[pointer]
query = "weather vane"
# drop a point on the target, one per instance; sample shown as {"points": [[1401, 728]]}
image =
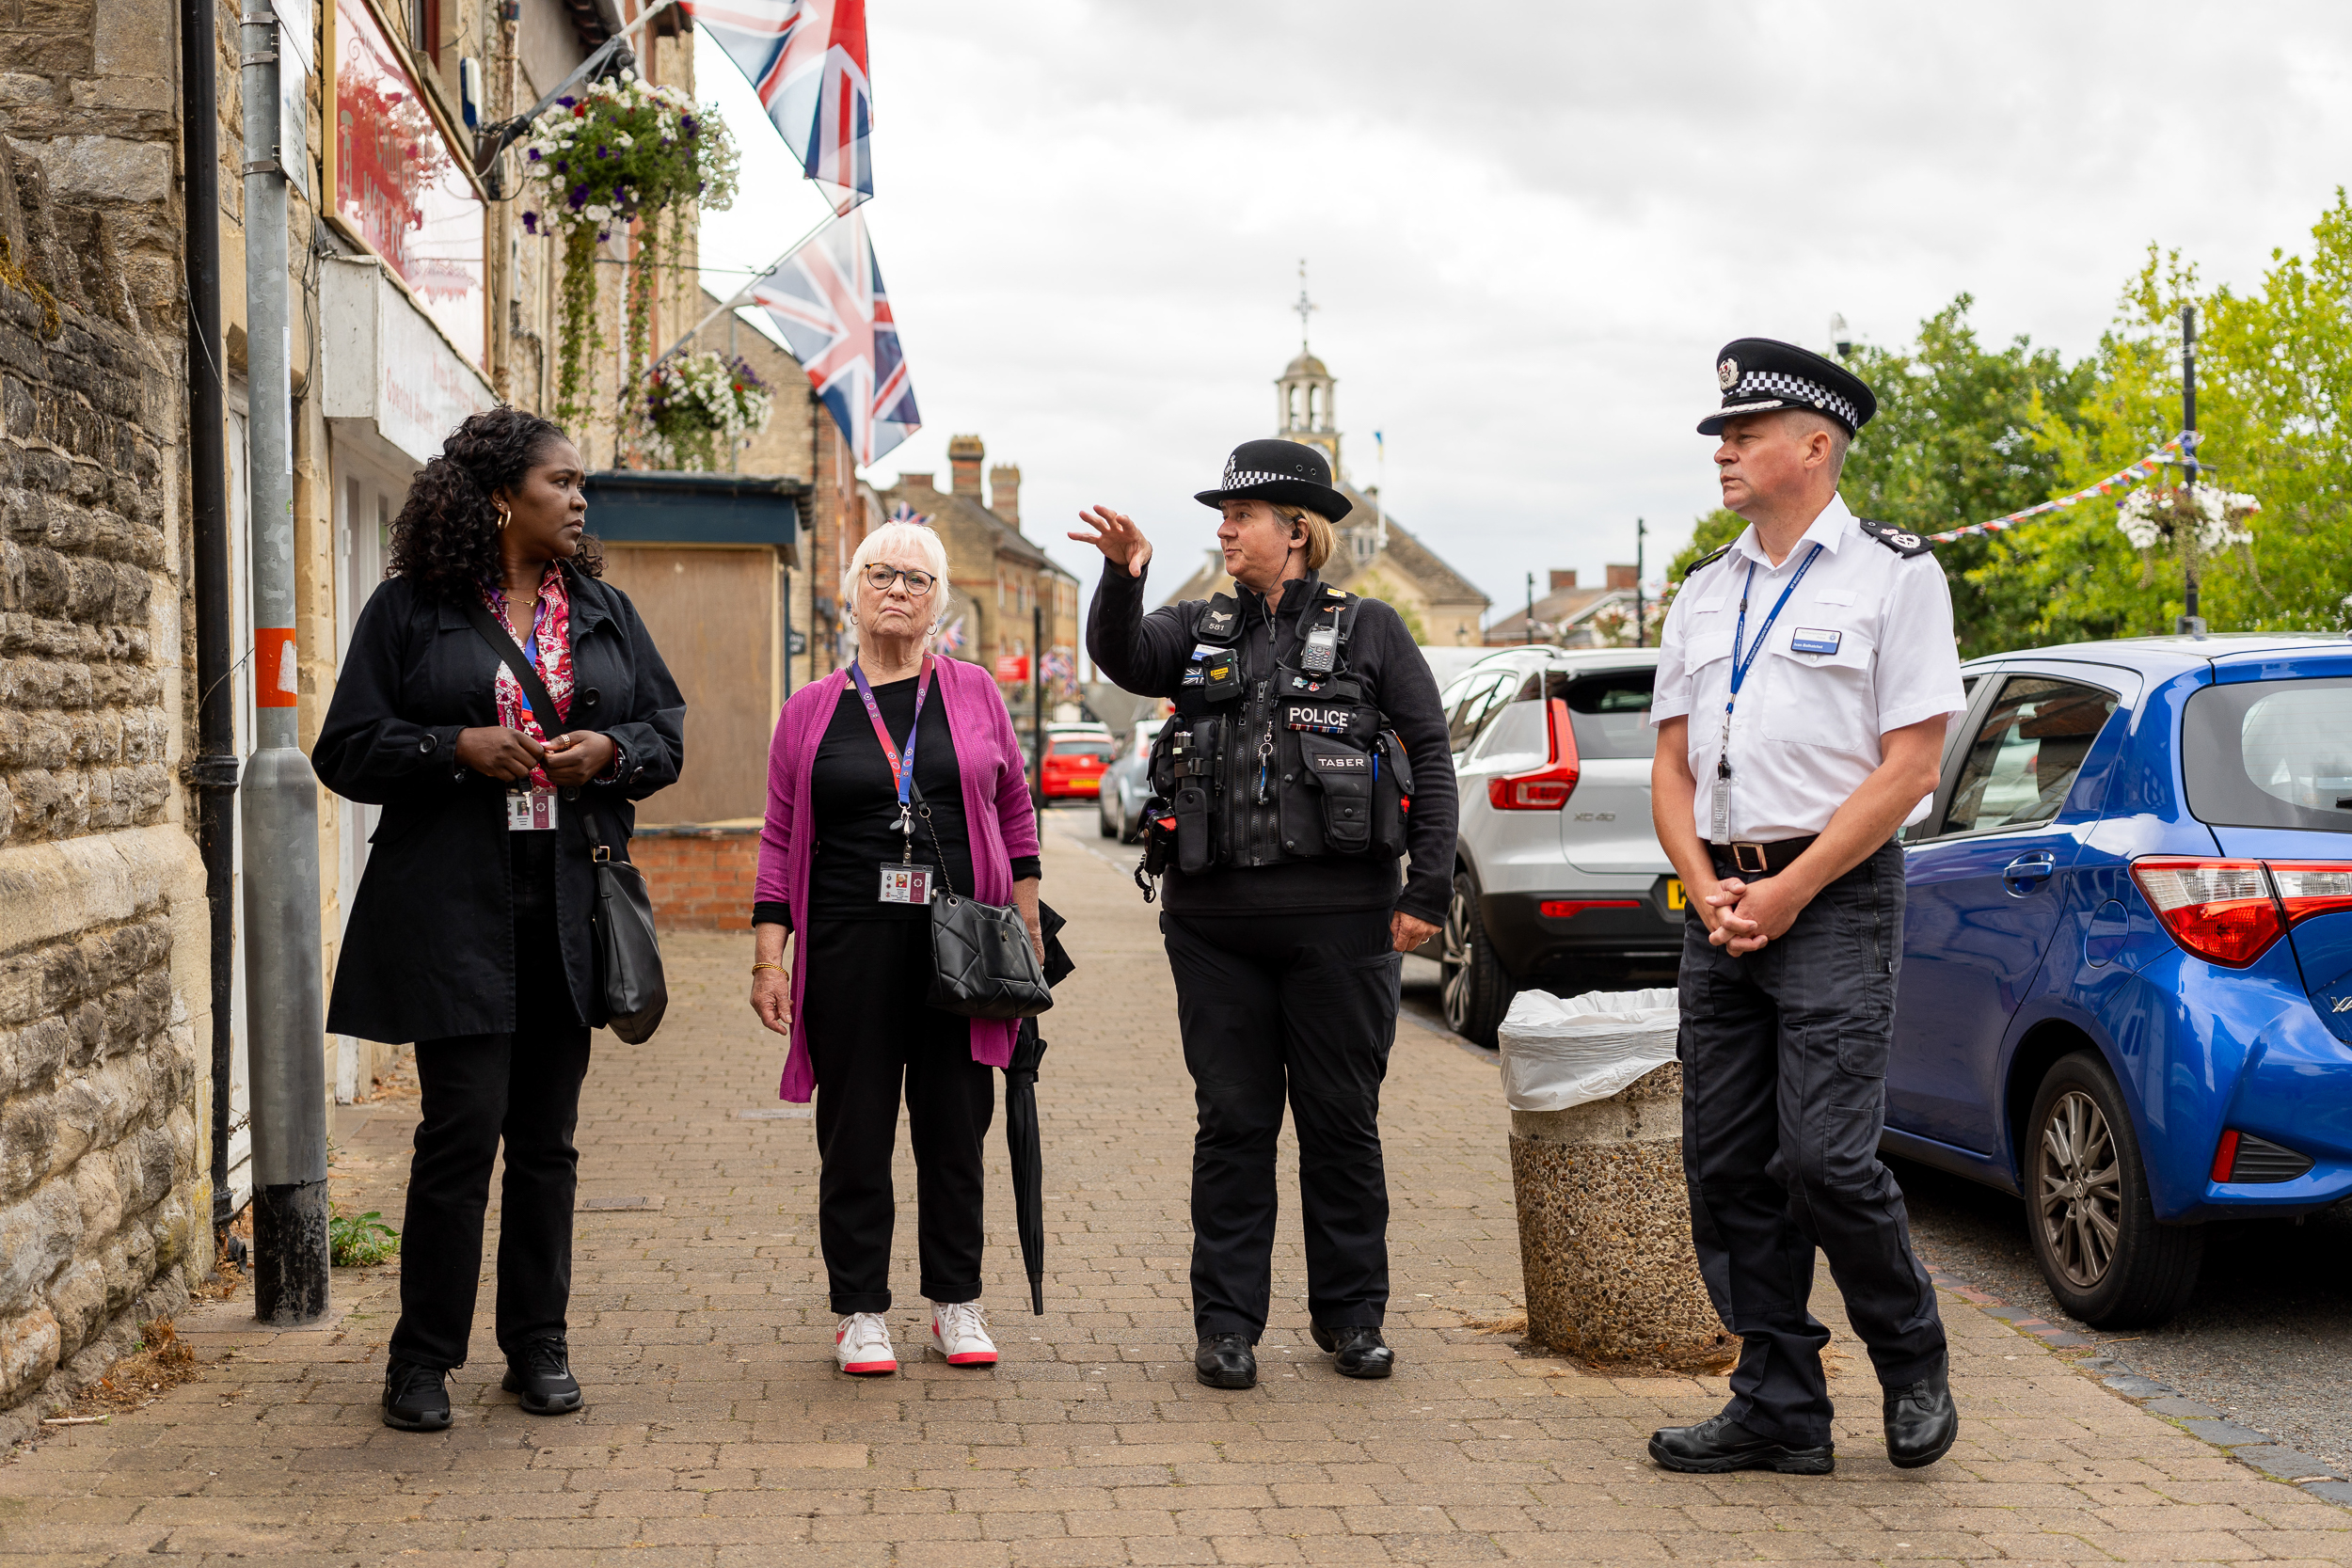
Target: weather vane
{"points": [[1304, 305]]}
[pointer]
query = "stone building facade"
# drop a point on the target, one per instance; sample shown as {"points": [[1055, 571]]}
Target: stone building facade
{"points": [[104, 974], [1001, 577]]}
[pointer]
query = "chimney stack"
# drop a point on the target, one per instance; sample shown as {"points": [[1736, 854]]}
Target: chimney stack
{"points": [[1004, 492], [1561, 579], [964, 453], [1620, 575], [918, 482]]}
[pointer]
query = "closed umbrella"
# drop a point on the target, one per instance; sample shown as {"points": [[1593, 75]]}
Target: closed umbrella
{"points": [[1020, 1130]]}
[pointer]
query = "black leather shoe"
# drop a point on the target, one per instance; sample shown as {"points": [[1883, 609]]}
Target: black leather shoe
{"points": [[415, 1397], [541, 1378], [1226, 1361], [1921, 1424], [1357, 1351], [1712, 1448]]}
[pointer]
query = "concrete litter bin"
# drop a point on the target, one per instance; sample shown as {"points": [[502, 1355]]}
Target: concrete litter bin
{"points": [[1604, 1215]]}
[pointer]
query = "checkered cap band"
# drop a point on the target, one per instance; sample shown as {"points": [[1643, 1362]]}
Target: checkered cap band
{"points": [[1238, 479], [1758, 385]]}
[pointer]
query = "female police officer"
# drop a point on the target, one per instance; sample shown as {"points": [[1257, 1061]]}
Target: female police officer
{"points": [[1308, 753]]}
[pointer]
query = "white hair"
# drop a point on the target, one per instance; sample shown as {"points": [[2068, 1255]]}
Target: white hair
{"points": [[890, 538]]}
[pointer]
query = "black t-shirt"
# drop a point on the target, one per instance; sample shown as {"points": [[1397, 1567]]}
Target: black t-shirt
{"points": [[856, 806]]}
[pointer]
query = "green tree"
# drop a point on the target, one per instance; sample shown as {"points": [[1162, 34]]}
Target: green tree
{"points": [[1964, 433], [2274, 388], [1711, 533]]}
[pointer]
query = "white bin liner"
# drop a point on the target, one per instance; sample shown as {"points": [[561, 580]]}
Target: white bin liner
{"points": [[1557, 1054]]}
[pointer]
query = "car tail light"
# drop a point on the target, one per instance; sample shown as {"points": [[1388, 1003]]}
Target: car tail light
{"points": [[1546, 788], [2245, 1159], [2218, 909], [2307, 888], [1569, 908]]}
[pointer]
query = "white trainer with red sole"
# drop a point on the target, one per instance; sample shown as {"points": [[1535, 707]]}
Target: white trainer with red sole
{"points": [[960, 1333], [862, 1345]]}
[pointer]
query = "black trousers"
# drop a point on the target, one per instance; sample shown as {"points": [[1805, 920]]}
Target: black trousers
{"points": [[1783, 1095], [521, 1089], [872, 1038], [1296, 1006]]}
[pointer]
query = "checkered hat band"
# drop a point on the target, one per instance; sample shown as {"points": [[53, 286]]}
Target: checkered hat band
{"points": [[1758, 384], [1239, 478]]}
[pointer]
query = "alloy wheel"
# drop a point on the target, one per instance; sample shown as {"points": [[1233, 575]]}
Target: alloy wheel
{"points": [[2080, 1189], [1453, 959]]}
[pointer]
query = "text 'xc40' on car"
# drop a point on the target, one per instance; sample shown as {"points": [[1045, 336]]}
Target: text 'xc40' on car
{"points": [[1559, 881], [2126, 985]]}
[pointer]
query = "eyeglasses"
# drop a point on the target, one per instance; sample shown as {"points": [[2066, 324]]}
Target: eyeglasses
{"points": [[880, 577]]}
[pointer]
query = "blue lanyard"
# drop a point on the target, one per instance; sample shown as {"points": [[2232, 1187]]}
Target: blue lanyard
{"points": [[1740, 667], [901, 764]]}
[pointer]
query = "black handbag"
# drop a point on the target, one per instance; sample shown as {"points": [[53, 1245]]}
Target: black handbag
{"points": [[982, 963], [628, 956]]}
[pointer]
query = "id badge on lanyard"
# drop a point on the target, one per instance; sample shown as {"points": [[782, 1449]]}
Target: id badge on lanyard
{"points": [[532, 810], [1719, 814], [905, 882]]}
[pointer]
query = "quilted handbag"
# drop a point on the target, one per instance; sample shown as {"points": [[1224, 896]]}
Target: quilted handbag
{"points": [[982, 963]]}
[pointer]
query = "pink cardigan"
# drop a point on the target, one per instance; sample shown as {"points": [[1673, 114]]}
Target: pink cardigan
{"points": [[997, 813]]}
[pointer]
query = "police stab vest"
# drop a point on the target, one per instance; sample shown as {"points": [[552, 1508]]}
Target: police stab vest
{"points": [[1273, 756]]}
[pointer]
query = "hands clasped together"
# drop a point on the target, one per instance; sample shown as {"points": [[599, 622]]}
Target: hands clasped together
{"points": [[575, 757], [1741, 916]]}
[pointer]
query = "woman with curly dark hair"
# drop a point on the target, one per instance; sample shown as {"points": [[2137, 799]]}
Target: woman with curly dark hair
{"points": [[470, 934]]}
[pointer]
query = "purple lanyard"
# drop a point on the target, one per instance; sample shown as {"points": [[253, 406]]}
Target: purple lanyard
{"points": [[902, 765]]}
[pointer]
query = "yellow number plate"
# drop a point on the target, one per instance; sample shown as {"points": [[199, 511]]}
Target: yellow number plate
{"points": [[1676, 898]]}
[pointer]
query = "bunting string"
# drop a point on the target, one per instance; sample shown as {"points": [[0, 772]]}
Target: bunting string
{"points": [[2128, 476]]}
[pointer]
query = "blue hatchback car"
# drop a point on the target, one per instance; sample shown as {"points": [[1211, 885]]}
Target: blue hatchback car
{"points": [[2126, 990]]}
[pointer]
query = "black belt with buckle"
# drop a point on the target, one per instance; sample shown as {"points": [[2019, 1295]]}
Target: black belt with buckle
{"points": [[1750, 862]]}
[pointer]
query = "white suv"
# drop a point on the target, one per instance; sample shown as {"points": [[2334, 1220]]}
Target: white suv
{"points": [[1558, 881]]}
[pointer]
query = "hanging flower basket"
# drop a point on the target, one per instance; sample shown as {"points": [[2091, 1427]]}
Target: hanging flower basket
{"points": [[2193, 522], [621, 152], [699, 407]]}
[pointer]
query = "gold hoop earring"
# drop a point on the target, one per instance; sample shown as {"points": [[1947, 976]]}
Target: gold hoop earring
{"points": [[505, 515]]}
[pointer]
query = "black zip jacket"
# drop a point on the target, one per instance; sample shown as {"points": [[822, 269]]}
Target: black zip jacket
{"points": [[1146, 654], [429, 950]]}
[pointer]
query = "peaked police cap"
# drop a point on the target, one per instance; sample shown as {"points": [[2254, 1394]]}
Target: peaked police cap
{"points": [[1759, 374]]}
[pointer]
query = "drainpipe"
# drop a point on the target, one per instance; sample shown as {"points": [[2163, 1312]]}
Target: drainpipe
{"points": [[212, 771], [282, 987]]}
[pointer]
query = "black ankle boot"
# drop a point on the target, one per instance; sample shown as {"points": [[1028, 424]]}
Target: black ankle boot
{"points": [[540, 1377], [1722, 1444], [1357, 1351], [416, 1399], [1226, 1361], [1921, 1424]]}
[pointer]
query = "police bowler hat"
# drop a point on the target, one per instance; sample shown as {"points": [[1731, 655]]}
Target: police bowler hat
{"points": [[1288, 471]]}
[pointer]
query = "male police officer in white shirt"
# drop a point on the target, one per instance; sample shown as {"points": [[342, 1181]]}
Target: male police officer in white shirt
{"points": [[1805, 678]]}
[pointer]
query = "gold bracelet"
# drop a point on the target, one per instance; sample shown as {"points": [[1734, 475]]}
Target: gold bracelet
{"points": [[757, 967]]}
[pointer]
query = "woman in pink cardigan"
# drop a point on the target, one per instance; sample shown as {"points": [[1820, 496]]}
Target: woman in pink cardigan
{"points": [[884, 781]]}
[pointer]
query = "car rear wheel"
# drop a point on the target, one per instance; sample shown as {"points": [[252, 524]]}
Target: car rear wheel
{"points": [[1130, 827], [1477, 992], [2093, 1221], [1103, 817]]}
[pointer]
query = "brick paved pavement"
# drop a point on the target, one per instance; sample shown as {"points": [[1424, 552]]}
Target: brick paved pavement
{"points": [[717, 1432]]}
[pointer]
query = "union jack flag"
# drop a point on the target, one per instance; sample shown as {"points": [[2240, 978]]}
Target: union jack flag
{"points": [[807, 58], [827, 299]]}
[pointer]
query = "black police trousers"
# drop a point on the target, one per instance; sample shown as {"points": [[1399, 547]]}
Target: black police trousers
{"points": [[1783, 1095], [1296, 1006], [480, 1091]]}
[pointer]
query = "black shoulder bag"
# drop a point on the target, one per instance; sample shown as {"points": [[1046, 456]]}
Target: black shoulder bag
{"points": [[982, 963], [635, 993]]}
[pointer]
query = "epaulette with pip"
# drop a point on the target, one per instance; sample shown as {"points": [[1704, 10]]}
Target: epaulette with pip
{"points": [[1707, 559], [1901, 541]]}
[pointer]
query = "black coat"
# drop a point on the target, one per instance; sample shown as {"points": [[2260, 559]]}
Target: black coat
{"points": [[429, 949]]}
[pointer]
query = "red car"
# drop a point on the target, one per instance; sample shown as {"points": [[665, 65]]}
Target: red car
{"points": [[1073, 765]]}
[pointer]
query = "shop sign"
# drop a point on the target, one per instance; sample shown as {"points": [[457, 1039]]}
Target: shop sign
{"points": [[398, 183], [1012, 668]]}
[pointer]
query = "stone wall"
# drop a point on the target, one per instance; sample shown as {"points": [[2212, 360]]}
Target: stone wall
{"points": [[104, 994]]}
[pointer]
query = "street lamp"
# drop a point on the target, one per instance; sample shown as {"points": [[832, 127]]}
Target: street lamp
{"points": [[1840, 335]]}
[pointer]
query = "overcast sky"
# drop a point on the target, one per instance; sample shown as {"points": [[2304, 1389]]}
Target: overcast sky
{"points": [[1528, 225]]}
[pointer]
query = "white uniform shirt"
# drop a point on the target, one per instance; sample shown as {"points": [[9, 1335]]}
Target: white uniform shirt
{"points": [[1805, 732]]}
